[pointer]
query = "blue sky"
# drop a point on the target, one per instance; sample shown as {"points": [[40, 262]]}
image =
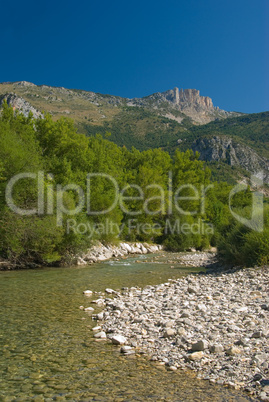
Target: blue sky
{"points": [[135, 48]]}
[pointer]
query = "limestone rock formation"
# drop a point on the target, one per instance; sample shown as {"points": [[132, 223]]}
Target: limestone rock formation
{"points": [[222, 148], [188, 102], [20, 104]]}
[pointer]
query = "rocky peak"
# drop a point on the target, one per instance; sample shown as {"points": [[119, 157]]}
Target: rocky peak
{"points": [[187, 102], [188, 97], [24, 84]]}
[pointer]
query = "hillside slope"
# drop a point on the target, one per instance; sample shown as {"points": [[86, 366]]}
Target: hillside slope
{"points": [[96, 108], [172, 119]]}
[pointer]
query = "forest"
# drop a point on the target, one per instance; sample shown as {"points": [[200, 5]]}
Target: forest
{"points": [[162, 198]]}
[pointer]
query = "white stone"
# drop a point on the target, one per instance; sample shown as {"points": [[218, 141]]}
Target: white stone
{"points": [[101, 335], [110, 291], [88, 309], [118, 340], [87, 292], [196, 356], [126, 349], [97, 328]]}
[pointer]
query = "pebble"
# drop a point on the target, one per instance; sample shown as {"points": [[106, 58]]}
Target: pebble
{"points": [[233, 351], [87, 292], [110, 291], [199, 346], [118, 340], [88, 309], [100, 335], [97, 328], [196, 356], [169, 332], [214, 323], [216, 348], [127, 350]]}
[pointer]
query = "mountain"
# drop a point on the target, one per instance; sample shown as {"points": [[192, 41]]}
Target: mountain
{"points": [[251, 129], [233, 144], [220, 150], [188, 102], [234, 148], [173, 104]]}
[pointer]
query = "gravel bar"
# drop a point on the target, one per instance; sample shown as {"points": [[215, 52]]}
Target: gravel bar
{"points": [[215, 324]]}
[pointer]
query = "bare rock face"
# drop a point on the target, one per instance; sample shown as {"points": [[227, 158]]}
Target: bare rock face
{"points": [[20, 104], [25, 84], [189, 98], [187, 102], [222, 148]]}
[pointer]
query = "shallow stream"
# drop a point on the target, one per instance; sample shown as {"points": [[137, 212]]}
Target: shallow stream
{"points": [[48, 351]]}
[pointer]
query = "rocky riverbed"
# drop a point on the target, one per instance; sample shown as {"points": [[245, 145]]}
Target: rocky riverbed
{"points": [[216, 324], [195, 258]]}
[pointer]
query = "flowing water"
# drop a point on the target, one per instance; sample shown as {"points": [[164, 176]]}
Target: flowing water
{"points": [[48, 351]]}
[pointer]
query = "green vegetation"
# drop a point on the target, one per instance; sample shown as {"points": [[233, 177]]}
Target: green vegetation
{"points": [[251, 130], [144, 129], [243, 246], [145, 126], [138, 127], [149, 178]]}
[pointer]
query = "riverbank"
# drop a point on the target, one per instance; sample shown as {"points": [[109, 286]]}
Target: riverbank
{"points": [[97, 253], [215, 324], [101, 252]]}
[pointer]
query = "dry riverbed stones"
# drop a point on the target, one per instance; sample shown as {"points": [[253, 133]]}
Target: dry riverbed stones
{"points": [[216, 324]]}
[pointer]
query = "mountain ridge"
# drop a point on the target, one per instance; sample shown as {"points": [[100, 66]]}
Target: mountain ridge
{"points": [[174, 104], [174, 119]]}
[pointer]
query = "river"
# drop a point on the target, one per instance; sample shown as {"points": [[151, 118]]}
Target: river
{"points": [[48, 349]]}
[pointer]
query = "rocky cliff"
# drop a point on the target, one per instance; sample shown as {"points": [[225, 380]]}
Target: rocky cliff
{"points": [[188, 102], [20, 104], [188, 97], [225, 149]]}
